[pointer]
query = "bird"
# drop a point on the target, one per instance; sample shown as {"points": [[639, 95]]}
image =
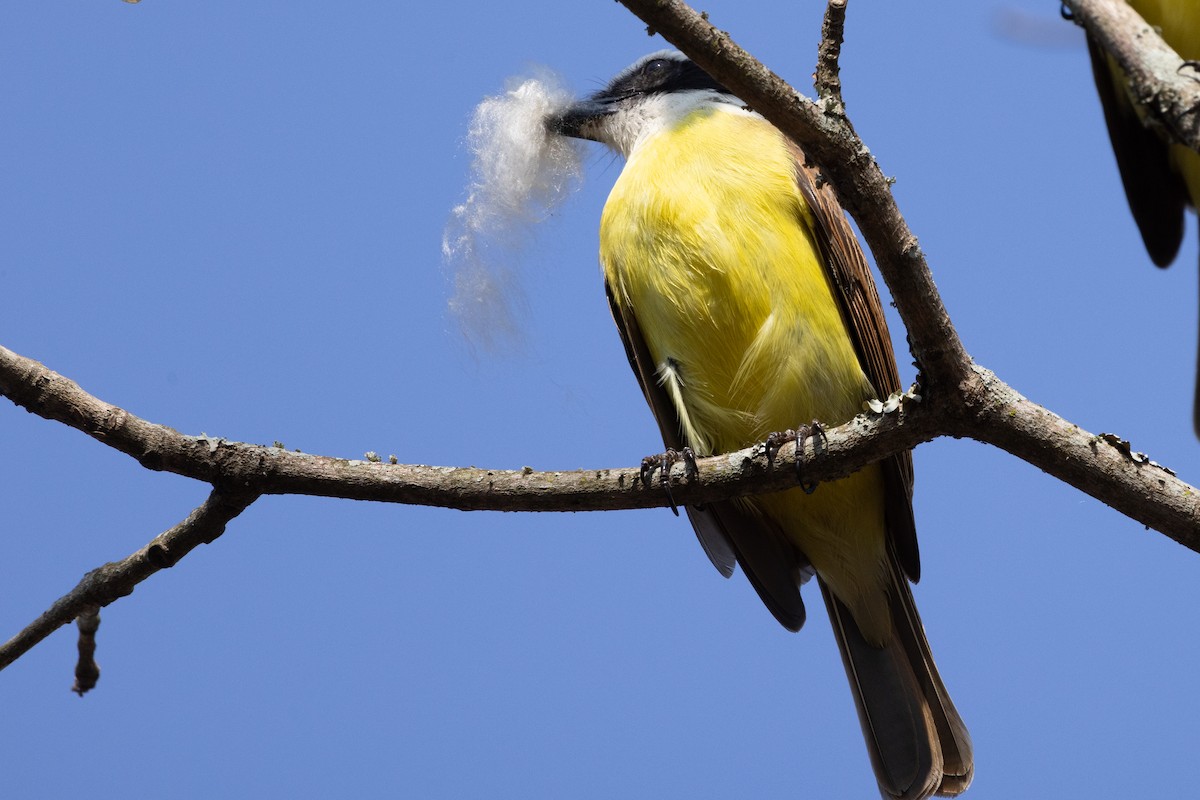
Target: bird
{"points": [[1161, 179], [746, 305]]}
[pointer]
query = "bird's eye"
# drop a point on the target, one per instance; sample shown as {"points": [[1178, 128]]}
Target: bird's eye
{"points": [[655, 66]]}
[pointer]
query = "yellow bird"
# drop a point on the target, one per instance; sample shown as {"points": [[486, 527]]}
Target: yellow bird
{"points": [[746, 306], [1160, 179]]}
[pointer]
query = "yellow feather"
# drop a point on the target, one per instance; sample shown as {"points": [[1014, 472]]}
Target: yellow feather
{"points": [[707, 240]]}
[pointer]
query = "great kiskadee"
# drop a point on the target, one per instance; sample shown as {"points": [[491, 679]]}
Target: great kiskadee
{"points": [[746, 306], [1160, 179]]}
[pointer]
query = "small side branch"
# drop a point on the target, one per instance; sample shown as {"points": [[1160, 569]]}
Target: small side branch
{"points": [[105, 584], [827, 80], [87, 671]]}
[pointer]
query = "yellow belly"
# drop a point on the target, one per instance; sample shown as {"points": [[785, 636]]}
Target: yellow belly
{"points": [[707, 238]]}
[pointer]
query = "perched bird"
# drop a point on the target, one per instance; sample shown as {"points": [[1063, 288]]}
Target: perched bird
{"points": [[1161, 179], [746, 306]]}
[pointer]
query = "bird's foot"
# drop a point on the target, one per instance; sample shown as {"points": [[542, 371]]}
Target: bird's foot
{"points": [[663, 462], [817, 431], [775, 441]]}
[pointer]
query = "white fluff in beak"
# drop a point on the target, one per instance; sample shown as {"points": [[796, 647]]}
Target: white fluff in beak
{"points": [[520, 172]]}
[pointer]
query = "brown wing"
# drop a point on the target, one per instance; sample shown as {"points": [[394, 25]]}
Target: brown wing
{"points": [[859, 300], [726, 532], [1156, 193], [917, 741]]}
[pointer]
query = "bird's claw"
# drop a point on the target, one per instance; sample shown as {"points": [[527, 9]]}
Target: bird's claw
{"points": [[817, 431], [775, 441], [663, 463]]}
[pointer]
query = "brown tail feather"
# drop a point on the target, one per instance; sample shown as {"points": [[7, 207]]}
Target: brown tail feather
{"points": [[958, 762], [917, 742]]}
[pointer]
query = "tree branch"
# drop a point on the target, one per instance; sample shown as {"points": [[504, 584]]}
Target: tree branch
{"points": [[826, 78], [1164, 84], [988, 410], [274, 470], [105, 584], [1103, 465]]}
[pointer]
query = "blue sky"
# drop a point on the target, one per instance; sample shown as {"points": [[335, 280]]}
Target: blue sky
{"points": [[227, 218]]}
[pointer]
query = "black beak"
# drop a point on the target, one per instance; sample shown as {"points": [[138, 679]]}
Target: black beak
{"points": [[577, 119]]}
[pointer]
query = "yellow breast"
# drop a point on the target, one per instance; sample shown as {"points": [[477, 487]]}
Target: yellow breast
{"points": [[706, 235], [708, 240]]}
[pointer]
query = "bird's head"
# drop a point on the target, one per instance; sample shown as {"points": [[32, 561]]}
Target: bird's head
{"points": [[652, 92]]}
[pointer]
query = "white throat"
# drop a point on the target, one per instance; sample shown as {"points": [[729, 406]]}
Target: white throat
{"points": [[629, 127]]}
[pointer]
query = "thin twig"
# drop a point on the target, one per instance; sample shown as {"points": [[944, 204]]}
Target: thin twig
{"points": [[984, 409], [827, 81], [87, 671], [105, 584]]}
